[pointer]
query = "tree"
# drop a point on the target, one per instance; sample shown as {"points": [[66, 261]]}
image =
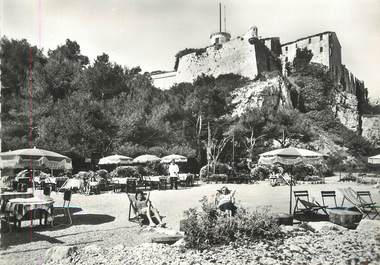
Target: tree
{"points": [[287, 126], [303, 57]]}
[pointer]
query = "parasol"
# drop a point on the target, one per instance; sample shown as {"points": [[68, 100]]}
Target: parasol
{"points": [[176, 158], [115, 160], [145, 159], [34, 157], [286, 156], [374, 159]]}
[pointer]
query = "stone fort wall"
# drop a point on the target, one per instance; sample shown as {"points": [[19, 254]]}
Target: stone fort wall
{"points": [[241, 56]]}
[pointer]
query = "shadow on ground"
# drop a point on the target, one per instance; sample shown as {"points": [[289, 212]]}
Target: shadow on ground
{"points": [[25, 234]]}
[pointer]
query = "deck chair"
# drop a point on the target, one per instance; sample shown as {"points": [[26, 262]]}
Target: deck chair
{"points": [[303, 208], [134, 216], [138, 218], [368, 209]]}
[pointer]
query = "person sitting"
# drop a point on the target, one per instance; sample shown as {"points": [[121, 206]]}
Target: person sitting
{"points": [[144, 207], [225, 201]]}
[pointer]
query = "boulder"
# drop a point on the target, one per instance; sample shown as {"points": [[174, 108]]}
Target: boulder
{"points": [[369, 226], [58, 253], [325, 226]]}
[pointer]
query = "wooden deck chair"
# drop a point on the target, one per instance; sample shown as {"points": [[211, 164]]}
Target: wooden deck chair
{"points": [[303, 206], [367, 209], [133, 211], [138, 218]]}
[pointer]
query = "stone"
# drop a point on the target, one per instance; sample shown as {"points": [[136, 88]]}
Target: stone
{"points": [[369, 226], [325, 226], [58, 253]]}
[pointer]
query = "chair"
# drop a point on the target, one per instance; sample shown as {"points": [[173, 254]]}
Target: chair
{"points": [[362, 194], [304, 208], [329, 194], [132, 209], [141, 219], [368, 209]]}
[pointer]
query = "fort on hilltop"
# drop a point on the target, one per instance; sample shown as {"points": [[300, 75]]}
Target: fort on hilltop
{"points": [[250, 55]]}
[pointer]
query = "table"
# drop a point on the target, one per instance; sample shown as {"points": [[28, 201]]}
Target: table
{"points": [[19, 207], [6, 196], [345, 217]]}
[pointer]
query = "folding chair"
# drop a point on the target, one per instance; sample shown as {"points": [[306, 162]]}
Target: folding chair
{"points": [[141, 219], [305, 208], [367, 209], [329, 194], [138, 218], [362, 194]]}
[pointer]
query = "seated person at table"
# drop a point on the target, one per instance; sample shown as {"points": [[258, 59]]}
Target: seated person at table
{"points": [[144, 207], [225, 201]]}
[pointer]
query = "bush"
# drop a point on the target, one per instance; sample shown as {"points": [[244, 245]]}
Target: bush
{"points": [[260, 172], [154, 169], [126, 172], [208, 227], [220, 168]]}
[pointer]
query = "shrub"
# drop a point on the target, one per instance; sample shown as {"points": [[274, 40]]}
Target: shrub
{"points": [[126, 172], [260, 172], [209, 227], [153, 169], [220, 168]]}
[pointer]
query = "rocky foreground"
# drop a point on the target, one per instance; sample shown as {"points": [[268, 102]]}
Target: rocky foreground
{"points": [[314, 243]]}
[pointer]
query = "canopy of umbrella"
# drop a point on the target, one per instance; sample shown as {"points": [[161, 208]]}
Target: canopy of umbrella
{"points": [[115, 160], [175, 158], [374, 160], [145, 159], [290, 156], [34, 157]]}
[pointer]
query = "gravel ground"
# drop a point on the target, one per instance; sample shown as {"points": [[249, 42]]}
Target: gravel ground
{"points": [[103, 219], [327, 244]]}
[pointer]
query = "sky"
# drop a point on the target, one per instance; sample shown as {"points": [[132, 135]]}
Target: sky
{"points": [[148, 33]]}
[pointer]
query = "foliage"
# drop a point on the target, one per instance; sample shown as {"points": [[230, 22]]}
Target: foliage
{"points": [[127, 172], [220, 168], [260, 172], [209, 227], [303, 57], [153, 169]]}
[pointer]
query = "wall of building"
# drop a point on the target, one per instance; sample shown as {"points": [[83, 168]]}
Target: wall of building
{"points": [[164, 81], [313, 43], [273, 44], [237, 56]]}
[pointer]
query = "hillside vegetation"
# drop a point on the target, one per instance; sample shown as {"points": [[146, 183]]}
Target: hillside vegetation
{"points": [[89, 110]]}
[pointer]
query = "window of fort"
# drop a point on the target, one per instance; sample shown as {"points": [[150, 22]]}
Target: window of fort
{"points": [[321, 37], [330, 51], [286, 59], [309, 40], [296, 46], [216, 40], [286, 48], [320, 49]]}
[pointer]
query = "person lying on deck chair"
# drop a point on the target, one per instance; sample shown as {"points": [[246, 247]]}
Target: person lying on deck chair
{"points": [[225, 201], [144, 207]]}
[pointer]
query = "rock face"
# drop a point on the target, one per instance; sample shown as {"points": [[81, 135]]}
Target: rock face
{"points": [[371, 128], [271, 94], [346, 110]]}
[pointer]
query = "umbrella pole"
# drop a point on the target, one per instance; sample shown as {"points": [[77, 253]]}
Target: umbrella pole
{"points": [[290, 195]]}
